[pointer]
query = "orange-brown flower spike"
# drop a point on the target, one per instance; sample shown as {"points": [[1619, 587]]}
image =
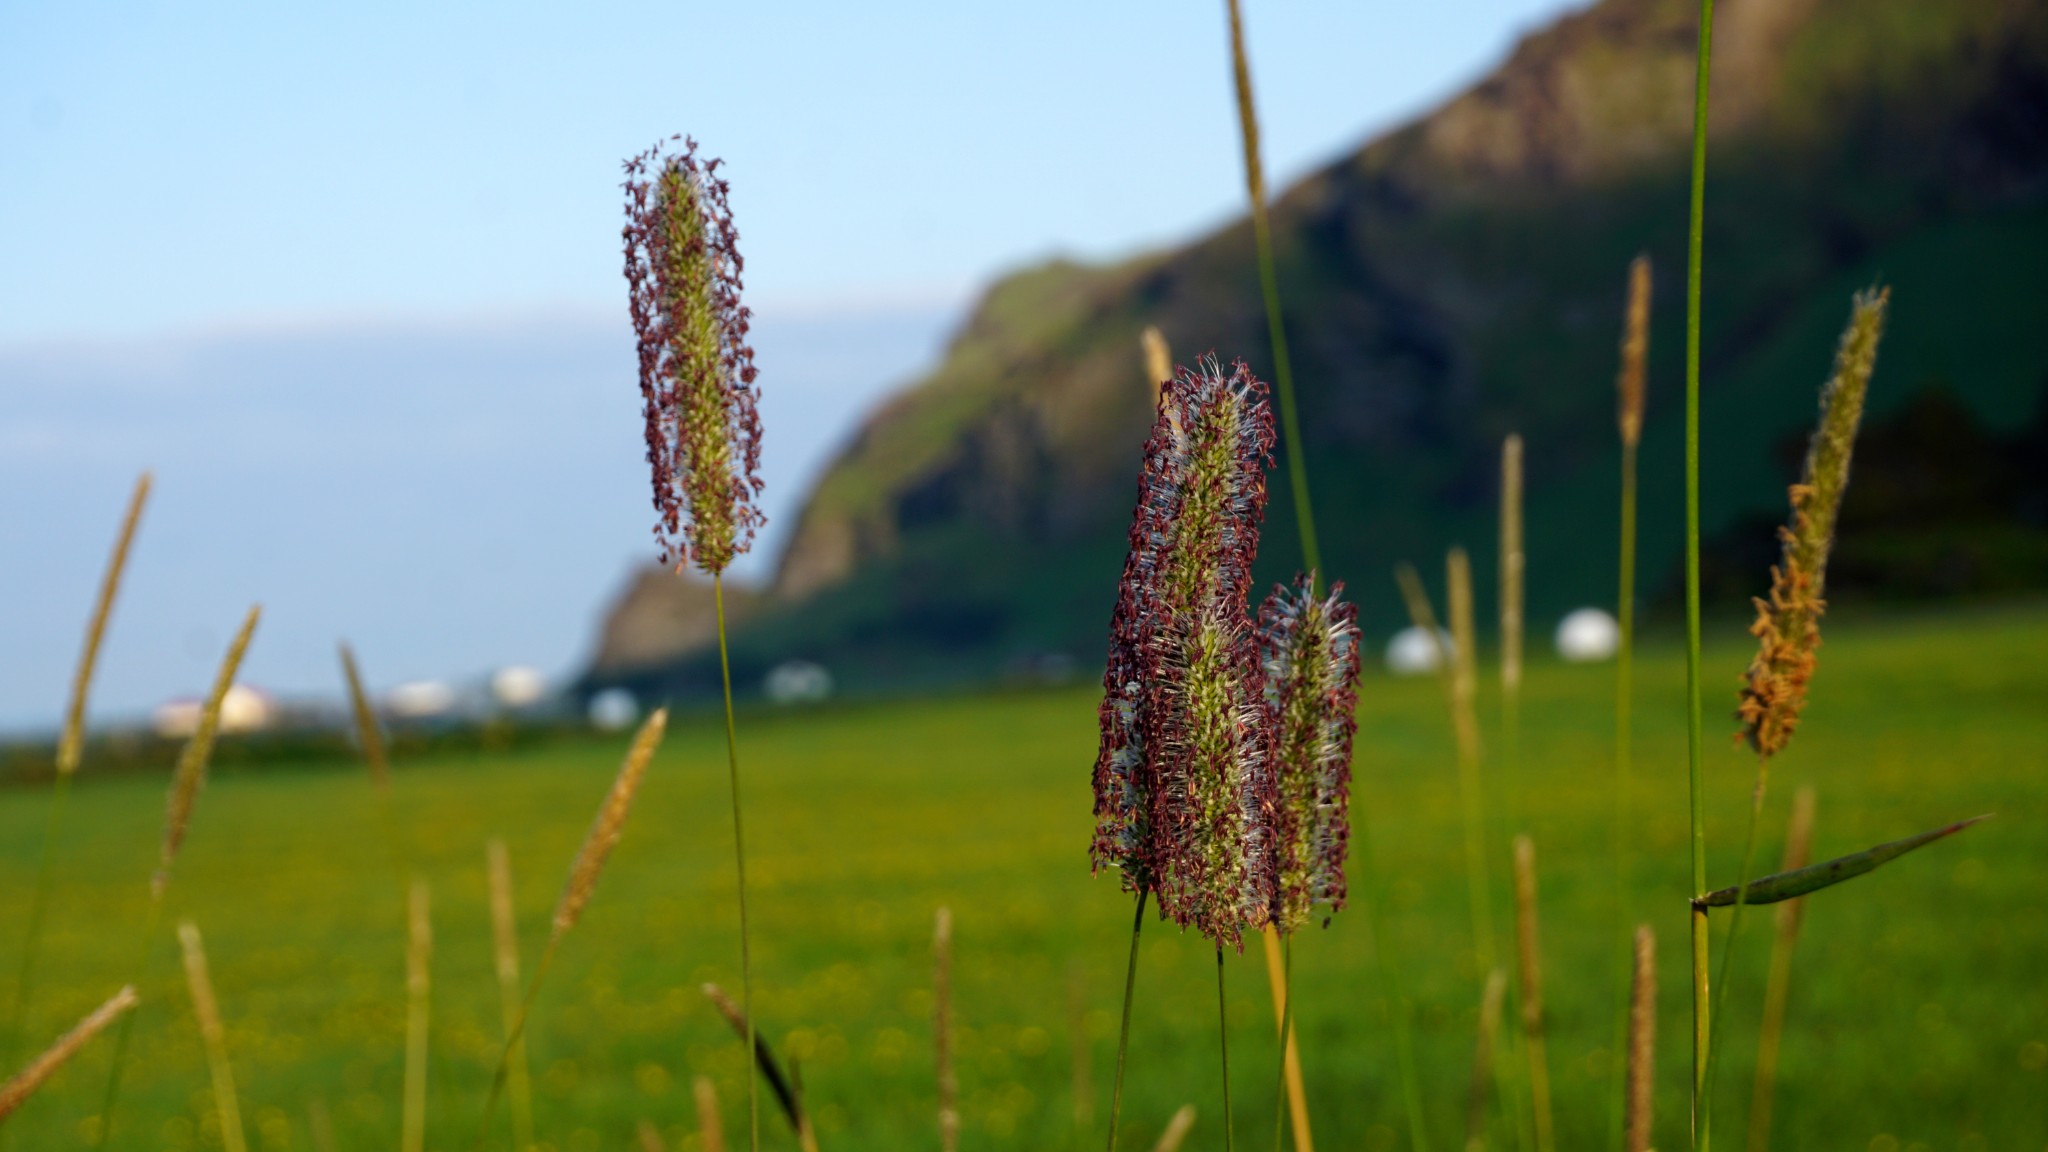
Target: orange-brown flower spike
{"points": [[696, 369], [1787, 625]]}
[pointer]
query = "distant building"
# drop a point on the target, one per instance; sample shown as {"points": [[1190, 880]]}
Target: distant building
{"points": [[243, 709]]}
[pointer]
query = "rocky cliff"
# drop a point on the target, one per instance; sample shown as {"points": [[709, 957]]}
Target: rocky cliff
{"points": [[1458, 279]]}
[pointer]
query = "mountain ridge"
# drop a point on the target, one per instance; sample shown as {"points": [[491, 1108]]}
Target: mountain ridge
{"points": [[1452, 280]]}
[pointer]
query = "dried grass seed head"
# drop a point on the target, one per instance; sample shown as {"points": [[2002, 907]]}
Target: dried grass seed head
{"points": [[1787, 624], [1635, 352], [190, 774], [1309, 650], [16, 1091], [697, 390], [611, 821]]}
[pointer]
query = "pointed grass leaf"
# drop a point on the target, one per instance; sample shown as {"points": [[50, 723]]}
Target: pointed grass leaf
{"points": [[1802, 881]]}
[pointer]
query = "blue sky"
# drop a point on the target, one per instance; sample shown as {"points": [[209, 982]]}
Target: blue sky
{"points": [[347, 276]]}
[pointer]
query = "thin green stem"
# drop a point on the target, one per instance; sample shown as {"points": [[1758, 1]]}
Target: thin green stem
{"points": [[1744, 878], [150, 924], [1223, 1042], [1694, 726], [1286, 1031], [512, 1037], [1389, 970], [24, 983], [1269, 287], [1123, 1039], [1624, 753], [739, 853]]}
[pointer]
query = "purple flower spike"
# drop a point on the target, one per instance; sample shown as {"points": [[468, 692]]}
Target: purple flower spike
{"points": [[696, 369], [1183, 779], [1310, 650]]}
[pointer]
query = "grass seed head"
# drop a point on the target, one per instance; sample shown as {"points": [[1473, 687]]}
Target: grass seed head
{"points": [[696, 368], [71, 743], [191, 771], [1642, 1040], [1309, 647], [1635, 352], [1201, 495], [1787, 624], [611, 821], [16, 1091]]}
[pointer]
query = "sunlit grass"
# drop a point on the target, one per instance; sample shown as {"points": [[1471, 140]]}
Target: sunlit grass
{"points": [[1914, 1005]]}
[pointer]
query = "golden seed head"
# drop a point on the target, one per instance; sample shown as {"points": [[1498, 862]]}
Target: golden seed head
{"points": [[1158, 360], [71, 744], [1787, 625], [191, 771], [15, 1092], [610, 822], [1642, 1040], [1635, 351], [1512, 562]]}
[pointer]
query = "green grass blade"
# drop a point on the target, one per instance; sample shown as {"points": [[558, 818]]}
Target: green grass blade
{"points": [[1802, 881]]}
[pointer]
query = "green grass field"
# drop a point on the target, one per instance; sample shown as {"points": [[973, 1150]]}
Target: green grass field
{"points": [[1918, 1017]]}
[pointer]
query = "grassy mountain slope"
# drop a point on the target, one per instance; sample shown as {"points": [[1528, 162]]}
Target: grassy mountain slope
{"points": [[1453, 281]]}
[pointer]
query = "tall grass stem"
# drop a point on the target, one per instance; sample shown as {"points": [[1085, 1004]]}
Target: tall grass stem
{"points": [[1640, 1066], [1290, 1097], [1488, 1034], [1269, 288], [1695, 750], [505, 948], [1529, 966], [942, 1031], [1513, 562], [1123, 1040], [739, 854], [1082, 1064], [1632, 388], [419, 958], [213, 1037], [1223, 1047], [70, 750], [1778, 988]]}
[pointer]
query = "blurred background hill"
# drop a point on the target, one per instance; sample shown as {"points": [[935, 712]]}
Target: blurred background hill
{"points": [[1460, 278]]}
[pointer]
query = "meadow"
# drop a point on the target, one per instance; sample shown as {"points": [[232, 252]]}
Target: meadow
{"points": [[1918, 1019]]}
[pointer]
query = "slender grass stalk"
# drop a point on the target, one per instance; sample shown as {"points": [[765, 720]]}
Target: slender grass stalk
{"points": [[1280, 974], [214, 1038], [419, 958], [505, 948], [1158, 360], [1529, 965], [70, 749], [1223, 1046], [1392, 979], [1512, 563], [1176, 1130], [787, 1087], [186, 780], [1458, 688], [320, 1125], [1778, 989], [739, 856], [370, 739], [942, 1031], [1084, 1076], [1695, 749], [1642, 1041], [1269, 287], [583, 874], [1123, 1039], [1631, 387], [23, 1084], [1482, 1059], [710, 1129]]}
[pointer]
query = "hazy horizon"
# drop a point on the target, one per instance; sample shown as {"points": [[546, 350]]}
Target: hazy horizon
{"points": [[369, 333]]}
